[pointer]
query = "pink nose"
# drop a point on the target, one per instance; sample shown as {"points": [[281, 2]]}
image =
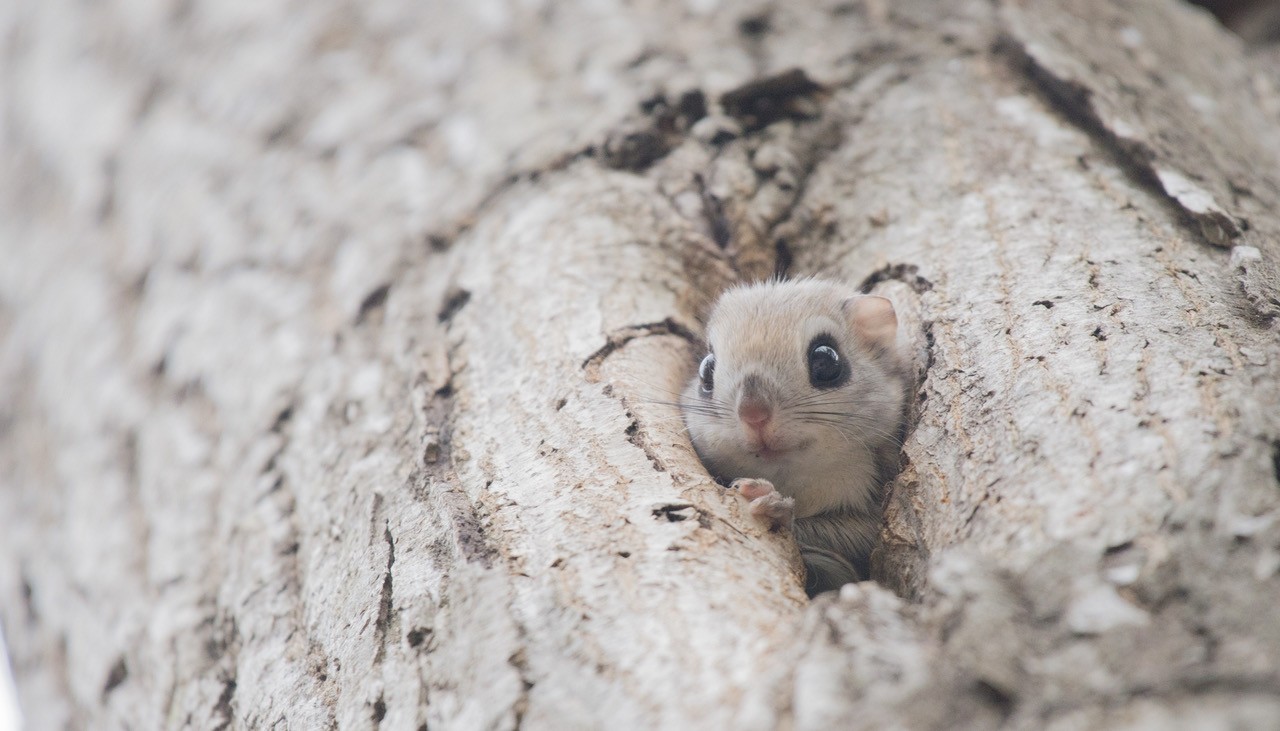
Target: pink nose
{"points": [[754, 414]]}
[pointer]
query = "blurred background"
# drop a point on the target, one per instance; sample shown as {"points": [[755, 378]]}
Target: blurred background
{"points": [[9, 718]]}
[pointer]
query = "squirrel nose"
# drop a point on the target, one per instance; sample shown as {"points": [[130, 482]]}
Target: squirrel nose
{"points": [[754, 413]]}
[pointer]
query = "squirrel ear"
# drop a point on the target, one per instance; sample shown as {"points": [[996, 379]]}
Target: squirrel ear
{"points": [[873, 320]]}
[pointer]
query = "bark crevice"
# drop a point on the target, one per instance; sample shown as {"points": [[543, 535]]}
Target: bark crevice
{"points": [[1073, 100], [617, 339], [385, 622]]}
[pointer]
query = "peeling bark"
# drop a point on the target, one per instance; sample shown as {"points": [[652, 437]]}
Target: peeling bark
{"points": [[341, 344]]}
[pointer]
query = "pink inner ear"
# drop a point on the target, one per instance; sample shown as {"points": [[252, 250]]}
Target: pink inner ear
{"points": [[873, 319]]}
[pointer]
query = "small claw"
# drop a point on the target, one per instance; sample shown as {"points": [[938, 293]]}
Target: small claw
{"points": [[767, 503], [751, 488], [774, 509]]}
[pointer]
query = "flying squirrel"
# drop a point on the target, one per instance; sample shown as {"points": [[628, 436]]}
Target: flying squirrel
{"points": [[801, 402]]}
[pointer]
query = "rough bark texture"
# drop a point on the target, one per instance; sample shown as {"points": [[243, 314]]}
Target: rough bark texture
{"points": [[338, 341]]}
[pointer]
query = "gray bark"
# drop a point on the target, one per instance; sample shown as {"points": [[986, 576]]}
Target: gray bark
{"points": [[337, 341]]}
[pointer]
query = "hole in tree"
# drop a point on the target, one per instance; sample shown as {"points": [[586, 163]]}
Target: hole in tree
{"points": [[1255, 21]]}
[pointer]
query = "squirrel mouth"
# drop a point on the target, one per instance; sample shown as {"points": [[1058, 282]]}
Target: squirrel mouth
{"points": [[768, 453], [772, 451]]}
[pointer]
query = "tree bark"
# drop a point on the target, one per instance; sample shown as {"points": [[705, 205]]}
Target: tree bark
{"points": [[340, 341]]}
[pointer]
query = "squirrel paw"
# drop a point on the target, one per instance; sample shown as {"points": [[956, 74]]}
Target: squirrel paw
{"points": [[767, 504]]}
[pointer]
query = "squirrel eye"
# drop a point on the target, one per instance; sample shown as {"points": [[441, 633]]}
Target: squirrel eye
{"points": [[707, 373], [824, 366]]}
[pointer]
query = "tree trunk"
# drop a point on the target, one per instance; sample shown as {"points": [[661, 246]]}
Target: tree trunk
{"points": [[339, 341]]}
